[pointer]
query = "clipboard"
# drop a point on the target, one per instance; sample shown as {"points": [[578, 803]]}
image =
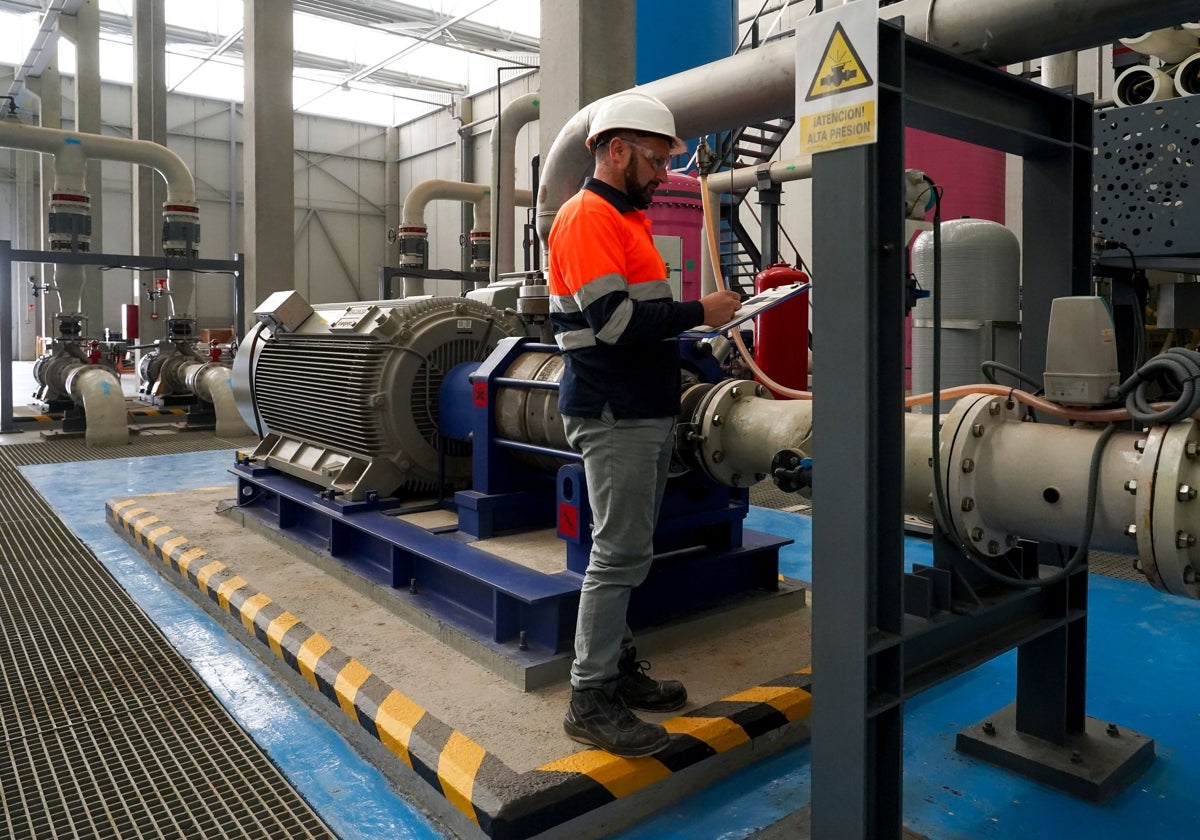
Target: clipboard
{"points": [[758, 304]]}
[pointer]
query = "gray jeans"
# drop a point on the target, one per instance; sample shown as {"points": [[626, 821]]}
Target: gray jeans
{"points": [[626, 464]]}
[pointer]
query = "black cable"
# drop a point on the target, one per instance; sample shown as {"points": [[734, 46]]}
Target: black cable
{"points": [[1178, 366], [990, 367]]}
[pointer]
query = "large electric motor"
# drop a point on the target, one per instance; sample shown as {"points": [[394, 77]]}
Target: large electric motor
{"points": [[346, 395]]}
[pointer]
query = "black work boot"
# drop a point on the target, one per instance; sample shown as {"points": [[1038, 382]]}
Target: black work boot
{"points": [[640, 691], [600, 719]]}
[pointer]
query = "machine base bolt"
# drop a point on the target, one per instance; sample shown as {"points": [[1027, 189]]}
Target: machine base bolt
{"points": [[1112, 731], [989, 728], [521, 645], [1076, 757], [412, 586]]}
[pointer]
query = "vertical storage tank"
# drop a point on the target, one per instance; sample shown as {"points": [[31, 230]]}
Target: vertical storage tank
{"points": [[678, 217], [981, 271]]}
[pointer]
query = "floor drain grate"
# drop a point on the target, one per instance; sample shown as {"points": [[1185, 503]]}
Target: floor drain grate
{"points": [[104, 729]]}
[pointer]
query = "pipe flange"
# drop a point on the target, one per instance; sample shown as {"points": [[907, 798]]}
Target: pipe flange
{"points": [[1143, 508], [1167, 531], [966, 456], [713, 426]]}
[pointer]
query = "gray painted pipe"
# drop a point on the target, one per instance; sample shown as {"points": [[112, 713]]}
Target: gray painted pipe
{"points": [[513, 117], [760, 84]]}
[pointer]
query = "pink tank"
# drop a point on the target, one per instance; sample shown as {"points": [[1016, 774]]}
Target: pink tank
{"points": [[678, 217]]}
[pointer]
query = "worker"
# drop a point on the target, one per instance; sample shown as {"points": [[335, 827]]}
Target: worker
{"points": [[616, 323]]}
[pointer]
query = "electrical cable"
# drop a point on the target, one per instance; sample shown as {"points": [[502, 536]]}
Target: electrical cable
{"points": [[990, 367], [1178, 366]]}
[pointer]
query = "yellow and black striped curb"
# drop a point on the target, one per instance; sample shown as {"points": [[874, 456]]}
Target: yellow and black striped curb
{"points": [[505, 804], [156, 412]]}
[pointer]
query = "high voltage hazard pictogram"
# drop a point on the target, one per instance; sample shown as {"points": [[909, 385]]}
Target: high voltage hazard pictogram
{"points": [[840, 69]]}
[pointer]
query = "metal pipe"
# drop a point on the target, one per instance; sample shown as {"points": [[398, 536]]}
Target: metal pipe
{"points": [[760, 83], [213, 383], [422, 194], [1016, 30], [514, 116], [414, 234], [99, 392], [181, 187]]}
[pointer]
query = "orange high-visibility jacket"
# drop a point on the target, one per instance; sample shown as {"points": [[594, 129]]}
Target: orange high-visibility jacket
{"points": [[611, 309]]}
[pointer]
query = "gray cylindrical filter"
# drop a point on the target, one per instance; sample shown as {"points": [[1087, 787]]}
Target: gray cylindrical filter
{"points": [[981, 269]]}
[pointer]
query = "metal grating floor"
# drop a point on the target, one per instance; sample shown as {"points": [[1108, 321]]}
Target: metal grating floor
{"points": [[104, 729]]}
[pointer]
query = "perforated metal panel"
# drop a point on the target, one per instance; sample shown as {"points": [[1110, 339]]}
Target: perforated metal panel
{"points": [[1146, 176]]}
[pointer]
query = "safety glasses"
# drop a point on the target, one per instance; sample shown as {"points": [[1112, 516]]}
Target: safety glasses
{"points": [[652, 157]]}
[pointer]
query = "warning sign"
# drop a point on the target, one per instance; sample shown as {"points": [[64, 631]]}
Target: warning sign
{"points": [[836, 65], [840, 70]]}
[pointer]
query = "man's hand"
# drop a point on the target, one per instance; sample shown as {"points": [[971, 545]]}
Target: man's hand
{"points": [[720, 306]]}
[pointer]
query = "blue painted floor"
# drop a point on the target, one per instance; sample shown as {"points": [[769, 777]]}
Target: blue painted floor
{"points": [[1143, 673]]}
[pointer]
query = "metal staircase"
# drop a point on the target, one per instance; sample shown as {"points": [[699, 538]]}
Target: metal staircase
{"points": [[749, 146]]}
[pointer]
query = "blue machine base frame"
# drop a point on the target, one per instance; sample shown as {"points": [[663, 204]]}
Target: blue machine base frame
{"points": [[523, 614]]}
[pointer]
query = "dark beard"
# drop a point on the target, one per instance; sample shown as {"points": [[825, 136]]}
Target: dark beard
{"points": [[639, 195]]}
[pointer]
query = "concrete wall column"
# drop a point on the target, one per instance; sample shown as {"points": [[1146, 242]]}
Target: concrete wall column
{"points": [[149, 123], [587, 52], [268, 144]]}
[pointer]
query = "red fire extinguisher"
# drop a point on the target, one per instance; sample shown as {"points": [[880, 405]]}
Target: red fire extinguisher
{"points": [[781, 333]]}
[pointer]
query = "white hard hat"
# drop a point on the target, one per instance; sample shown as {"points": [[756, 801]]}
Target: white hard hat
{"points": [[635, 111]]}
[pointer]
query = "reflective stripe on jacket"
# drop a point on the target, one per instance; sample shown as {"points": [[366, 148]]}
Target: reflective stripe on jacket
{"points": [[611, 309]]}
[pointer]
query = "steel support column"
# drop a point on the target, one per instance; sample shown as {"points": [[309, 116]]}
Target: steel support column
{"points": [[858, 539], [6, 339], [868, 655]]}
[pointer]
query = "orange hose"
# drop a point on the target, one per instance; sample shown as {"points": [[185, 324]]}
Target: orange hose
{"points": [[714, 254]]}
